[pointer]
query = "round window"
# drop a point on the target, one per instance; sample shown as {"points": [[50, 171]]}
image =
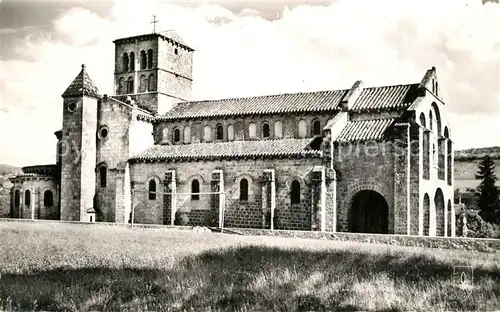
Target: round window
{"points": [[72, 106], [103, 133]]}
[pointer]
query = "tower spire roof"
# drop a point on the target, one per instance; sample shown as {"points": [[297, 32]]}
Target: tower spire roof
{"points": [[81, 85]]}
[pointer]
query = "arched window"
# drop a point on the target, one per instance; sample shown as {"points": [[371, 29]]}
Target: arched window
{"points": [[142, 83], [431, 121], [152, 83], [302, 129], [17, 199], [152, 189], [422, 119], [143, 59], [187, 134], [266, 131], [278, 130], [244, 189], [434, 155], [195, 190], [230, 132], [132, 61], [437, 118], [177, 135], [295, 192], [130, 85], [103, 172], [27, 198], [165, 134], [316, 127], [220, 132], [437, 88], [48, 198], [150, 58], [121, 86], [207, 134], [252, 130], [125, 62]]}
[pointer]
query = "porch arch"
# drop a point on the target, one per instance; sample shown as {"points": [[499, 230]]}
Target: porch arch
{"points": [[368, 213]]}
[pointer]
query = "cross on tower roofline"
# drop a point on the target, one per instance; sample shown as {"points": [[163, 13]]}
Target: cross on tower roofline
{"points": [[154, 23]]}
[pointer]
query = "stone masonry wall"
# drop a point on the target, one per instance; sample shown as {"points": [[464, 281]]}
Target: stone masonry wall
{"points": [[171, 68], [112, 152], [363, 166], [37, 209], [237, 213], [71, 166], [240, 124], [88, 155], [180, 62]]}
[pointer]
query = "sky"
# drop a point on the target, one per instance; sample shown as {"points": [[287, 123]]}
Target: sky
{"points": [[245, 48]]}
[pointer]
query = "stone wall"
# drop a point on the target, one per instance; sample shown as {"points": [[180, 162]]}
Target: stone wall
{"points": [[240, 124], [363, 166], [79, 157], [175, 58], [36, 209], [458, 243], [171, 69], [112, 153], [238, 213]]}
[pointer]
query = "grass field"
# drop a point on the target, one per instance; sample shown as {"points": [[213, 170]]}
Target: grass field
{"points": [[51, 266]]}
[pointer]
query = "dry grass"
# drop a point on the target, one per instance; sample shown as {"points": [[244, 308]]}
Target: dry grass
{"points": [[53, 266]]}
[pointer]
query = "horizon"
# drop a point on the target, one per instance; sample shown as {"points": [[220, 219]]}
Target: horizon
{"points": [[251, 49]]}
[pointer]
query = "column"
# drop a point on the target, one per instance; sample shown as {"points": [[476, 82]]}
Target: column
{"points": [[169, 198], [218, 198], [331, 199], [402, 160], [451, 183], [34, 204], [268, 199], [318, 196]]}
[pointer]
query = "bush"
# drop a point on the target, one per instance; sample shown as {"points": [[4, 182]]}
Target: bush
{"points": [[181, 218], [476, 226]]}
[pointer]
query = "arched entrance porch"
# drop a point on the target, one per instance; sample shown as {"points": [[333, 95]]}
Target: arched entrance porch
{"points": [[369, 213]]}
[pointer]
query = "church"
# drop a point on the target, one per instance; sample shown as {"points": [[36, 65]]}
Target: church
{"points": [[363, 159]]}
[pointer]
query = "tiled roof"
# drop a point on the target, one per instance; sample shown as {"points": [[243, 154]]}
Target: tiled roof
{"points": [[40, 169], [81, 85], [235, 149], [370, 99], [269, 104], [361, 130], [31, 176], [390, 97]]}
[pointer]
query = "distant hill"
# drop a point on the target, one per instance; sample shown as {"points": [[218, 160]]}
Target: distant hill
{"points": [[477, 153], [8, 169], [466, 164]]}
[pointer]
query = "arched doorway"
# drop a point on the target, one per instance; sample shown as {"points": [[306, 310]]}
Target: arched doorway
{"points": [[427, 219], [440, 210], [369, 213]]}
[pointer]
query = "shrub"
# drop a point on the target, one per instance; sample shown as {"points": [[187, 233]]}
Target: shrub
{"points": [[476, 226], [181, 218]]}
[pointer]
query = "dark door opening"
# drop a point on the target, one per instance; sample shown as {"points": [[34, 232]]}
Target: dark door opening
{"points": [[369, 213]]}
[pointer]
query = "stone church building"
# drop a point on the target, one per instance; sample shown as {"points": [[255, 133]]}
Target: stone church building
{"points": [[364, 159]]}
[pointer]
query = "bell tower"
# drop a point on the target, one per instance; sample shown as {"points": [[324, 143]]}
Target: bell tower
{"points": [[154, 70]]}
